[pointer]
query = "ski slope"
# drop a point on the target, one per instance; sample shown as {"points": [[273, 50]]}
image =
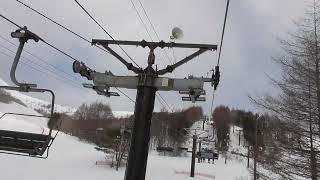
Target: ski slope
{"points": [[34, 103], [72, 159]]}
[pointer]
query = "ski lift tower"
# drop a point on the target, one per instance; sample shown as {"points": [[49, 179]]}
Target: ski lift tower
{"points": [[147, 82]]}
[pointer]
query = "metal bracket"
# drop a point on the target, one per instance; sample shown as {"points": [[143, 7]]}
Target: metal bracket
{"points": [[82, 69], [194, 95], [23, 35], [101, 90]]}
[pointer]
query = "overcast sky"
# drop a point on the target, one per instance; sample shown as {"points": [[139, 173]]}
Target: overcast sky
{"points": [[250, 40]]}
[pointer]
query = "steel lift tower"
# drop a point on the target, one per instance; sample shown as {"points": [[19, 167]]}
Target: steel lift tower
{"points": [[147, 82]]}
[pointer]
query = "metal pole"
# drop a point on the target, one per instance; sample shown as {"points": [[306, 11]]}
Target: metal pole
{"points": [[203, 124], [255, 151], [248, 160], [199, 157], [239, 137], [138, 154], [199, 152], [193, 159]]}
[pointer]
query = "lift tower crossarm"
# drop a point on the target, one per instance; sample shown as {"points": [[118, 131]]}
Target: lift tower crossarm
{"points": [[171, 68], [130, 66], [160, 83], [152, 45], [160, 44]]}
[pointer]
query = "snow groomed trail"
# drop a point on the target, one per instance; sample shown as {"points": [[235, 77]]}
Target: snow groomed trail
{"points": [[71, 159]]}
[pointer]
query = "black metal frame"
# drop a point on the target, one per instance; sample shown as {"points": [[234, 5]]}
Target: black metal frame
{"points": [[152, 45], [12, 139], [23, 143], [138, 153]]}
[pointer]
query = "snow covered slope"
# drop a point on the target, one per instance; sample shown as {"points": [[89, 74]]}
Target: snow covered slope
{"points": [[35, 103], [21, 123], [72, 159], [122, 114]]}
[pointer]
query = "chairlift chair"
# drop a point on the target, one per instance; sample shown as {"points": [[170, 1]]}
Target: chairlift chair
{"points": [[162, 149], [25, 143]]}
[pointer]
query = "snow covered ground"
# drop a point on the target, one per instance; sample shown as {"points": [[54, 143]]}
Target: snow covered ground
{"points": [[35, 103], [122, 114], [72, 159]]}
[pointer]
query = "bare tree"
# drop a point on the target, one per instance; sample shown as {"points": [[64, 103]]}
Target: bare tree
{"points": [[222, 119], [298, 104]]}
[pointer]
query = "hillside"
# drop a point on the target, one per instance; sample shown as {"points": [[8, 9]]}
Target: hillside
{"points": [[71, 159], [34, 103], [37, 104]]}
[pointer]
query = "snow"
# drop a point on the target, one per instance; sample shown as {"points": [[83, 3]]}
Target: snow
{"points": [[122, 114], [70, 158], [21, 123], [35, 103]]}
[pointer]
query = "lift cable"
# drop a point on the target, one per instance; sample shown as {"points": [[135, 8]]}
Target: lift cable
{"points": [[41, 59], [52, 46], [144, 24], [26, 63], [220, 48], [125, 95], [114, 39], [165, 102], [211, 109], [145, 27], [160, 101], [37, 64], [223, 30], [154, 30], [104, 30], [45, 42], [62, 26], [69, 30]]}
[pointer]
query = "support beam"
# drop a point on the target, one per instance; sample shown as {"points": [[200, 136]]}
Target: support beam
{"points": [[160, 83], [122, 60], [171, 68], [160, 44]]}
